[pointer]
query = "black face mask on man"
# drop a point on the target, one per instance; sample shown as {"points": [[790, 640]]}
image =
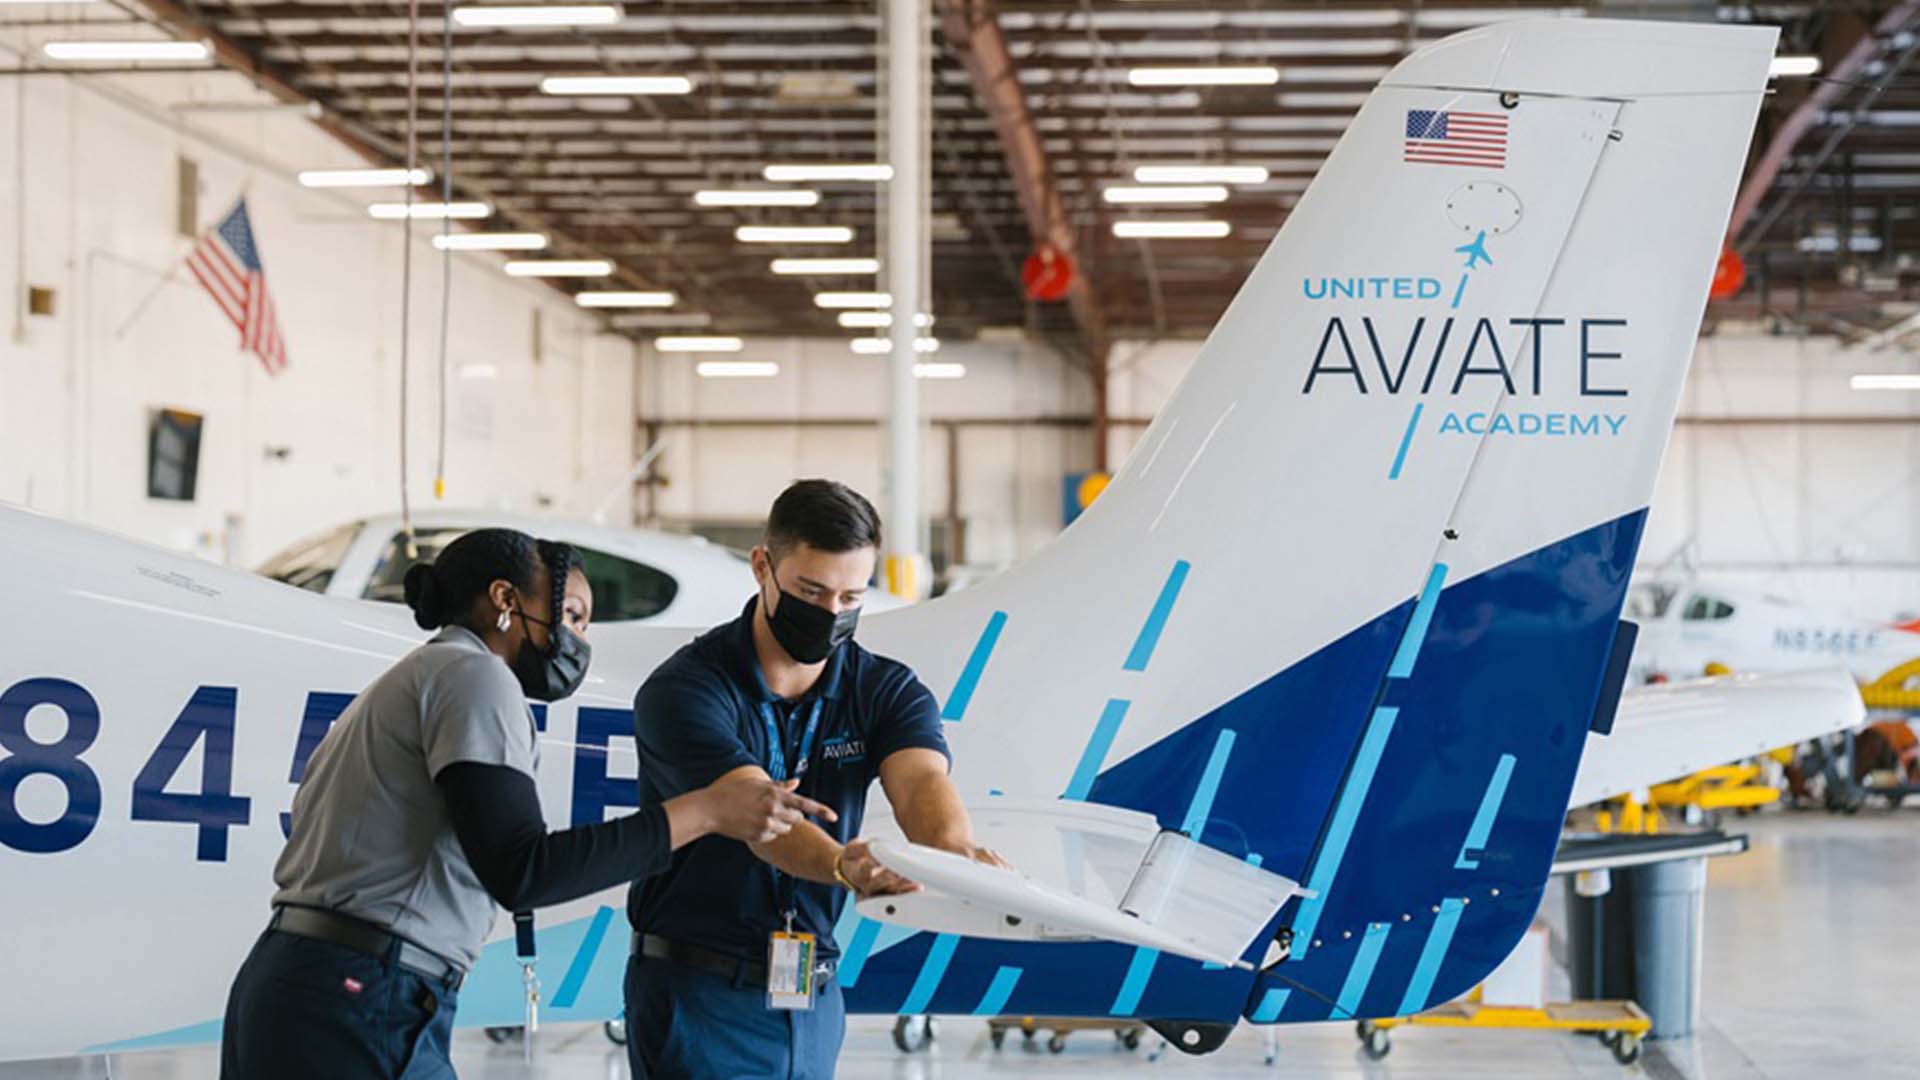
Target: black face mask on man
{"points": [[555, 672], [807, 631]]}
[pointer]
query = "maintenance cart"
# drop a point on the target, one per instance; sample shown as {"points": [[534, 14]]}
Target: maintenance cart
{"points": [[1621, 1025], [1127, 1032]]}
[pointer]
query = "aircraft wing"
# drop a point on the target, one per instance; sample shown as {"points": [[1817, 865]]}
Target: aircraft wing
{"points": [[1083, 872], [1667, 731]]}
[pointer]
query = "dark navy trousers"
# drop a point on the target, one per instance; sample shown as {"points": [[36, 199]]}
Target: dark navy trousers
{"points": [[686, 1023], [303, 1009]]}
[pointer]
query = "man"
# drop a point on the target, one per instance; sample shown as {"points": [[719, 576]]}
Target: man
{"points": [[782, 692]]}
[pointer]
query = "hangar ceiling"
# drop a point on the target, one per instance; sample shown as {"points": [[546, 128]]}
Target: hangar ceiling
{"points": [[1829, 226]]}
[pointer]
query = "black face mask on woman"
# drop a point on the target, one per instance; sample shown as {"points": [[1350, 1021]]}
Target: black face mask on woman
{"points": [[807, 631], [557, 671]]}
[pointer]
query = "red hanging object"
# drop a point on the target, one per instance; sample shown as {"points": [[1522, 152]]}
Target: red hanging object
{"points": [[1728, 275], [1047, 274]]}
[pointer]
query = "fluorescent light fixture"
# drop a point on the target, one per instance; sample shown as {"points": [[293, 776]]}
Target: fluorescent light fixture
{"points": [[939, 371], [1204, 76], [654, 320], [578, 85], [1335, 73], [737, 369], [498, 241], [826, 266], [479, 371], [769, 197], [625, 299], [793, 234], [125, 50], [1885, 382], [1200, 174], [1171, 230], [537, 15], [852, 299], [1793, 65], [1345, 99], [692, 343], [790, 174], [1831, 242], [393, 211], [559, 268], [1167, 193], [361, 178], [878, 320], [879, 346]]}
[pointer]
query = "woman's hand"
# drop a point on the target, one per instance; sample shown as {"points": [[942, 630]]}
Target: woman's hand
{"points": [[754, 810]]}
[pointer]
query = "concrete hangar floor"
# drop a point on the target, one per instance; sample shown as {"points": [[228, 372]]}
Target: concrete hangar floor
{"points": [[1810, 950]]}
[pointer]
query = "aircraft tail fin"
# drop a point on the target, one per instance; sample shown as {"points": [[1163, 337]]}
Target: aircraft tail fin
{"points": [[1348, 608]]}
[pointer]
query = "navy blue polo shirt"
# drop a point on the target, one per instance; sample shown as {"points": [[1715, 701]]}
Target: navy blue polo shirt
{"points": [[703, 714]]}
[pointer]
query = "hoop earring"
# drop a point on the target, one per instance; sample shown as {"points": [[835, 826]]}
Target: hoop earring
{"points": [[505, 621]]}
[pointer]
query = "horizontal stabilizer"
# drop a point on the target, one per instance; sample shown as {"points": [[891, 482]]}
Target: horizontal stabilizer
{"points": [[1664, 732], [1083, 872]]}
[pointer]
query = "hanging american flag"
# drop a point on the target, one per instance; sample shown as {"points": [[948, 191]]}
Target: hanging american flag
{"points": [[1446, 137], [227, 264]]}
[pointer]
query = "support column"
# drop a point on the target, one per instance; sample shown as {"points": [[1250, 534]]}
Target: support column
{"points": [[908, 153]]}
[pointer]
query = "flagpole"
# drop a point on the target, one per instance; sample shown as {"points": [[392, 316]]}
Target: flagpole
{"points": [[166, 279]]}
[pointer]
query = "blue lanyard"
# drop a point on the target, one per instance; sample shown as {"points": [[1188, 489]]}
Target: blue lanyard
{"points": [[783, 884], [776, 747]]}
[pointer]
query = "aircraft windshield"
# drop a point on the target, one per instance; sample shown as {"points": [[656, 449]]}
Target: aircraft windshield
{"points": [[1649, 601]]}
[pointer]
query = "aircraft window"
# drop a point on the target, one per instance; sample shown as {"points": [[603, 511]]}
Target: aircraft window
{"points": [[1704, 608], [310, 563], [389, 578], [1649, 601], [623, 590]]}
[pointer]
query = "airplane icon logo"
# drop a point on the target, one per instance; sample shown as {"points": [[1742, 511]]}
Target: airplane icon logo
{"points": [[1476, 252]]}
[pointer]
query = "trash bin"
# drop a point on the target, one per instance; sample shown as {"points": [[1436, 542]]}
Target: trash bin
{"points": [[1669, 916], [1599, 930]]}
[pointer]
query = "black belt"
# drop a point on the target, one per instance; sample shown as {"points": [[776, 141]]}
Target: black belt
{"points": [[364, 937], [743, 972]]}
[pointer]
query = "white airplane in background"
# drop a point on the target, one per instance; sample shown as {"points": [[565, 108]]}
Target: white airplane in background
{"points": [[1342, 638], [638, 575], [1686, 625]]}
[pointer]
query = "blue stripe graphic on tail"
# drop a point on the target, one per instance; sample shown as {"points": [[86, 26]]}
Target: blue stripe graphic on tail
{"points": [[1420, 990], [1483, 818], [956, 706], [1143, 646], [995, 1001], [1523, 639]]}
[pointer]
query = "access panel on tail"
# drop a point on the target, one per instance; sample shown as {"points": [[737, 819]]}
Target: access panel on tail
{"points": [[1346, 611]]}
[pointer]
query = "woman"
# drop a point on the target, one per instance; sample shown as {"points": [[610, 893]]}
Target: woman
{"points": [[419, 814]]}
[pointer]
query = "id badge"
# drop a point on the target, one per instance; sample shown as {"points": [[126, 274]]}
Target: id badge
{"points": [[790, 971]]}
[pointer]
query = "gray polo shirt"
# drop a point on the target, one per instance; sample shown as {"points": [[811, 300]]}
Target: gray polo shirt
{"points": [[371, 836]]}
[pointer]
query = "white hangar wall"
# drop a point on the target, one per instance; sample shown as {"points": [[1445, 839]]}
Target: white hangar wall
{"points": [[1779, 476], [281, 456], [996, 447]]}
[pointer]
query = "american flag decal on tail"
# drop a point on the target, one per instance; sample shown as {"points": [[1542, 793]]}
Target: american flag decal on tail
{"points": [[1447, 137]]}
